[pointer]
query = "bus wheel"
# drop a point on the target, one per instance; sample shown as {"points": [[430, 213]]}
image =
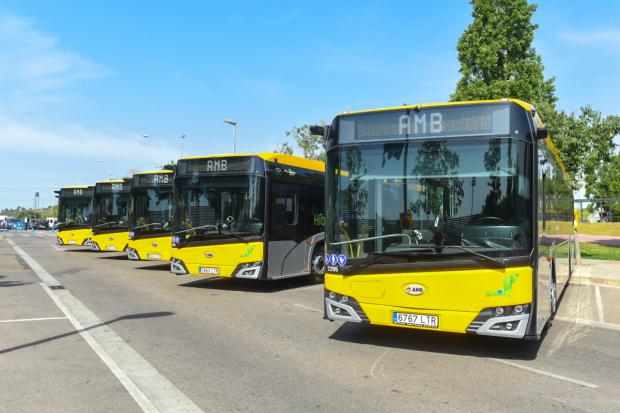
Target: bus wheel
{"points": [[317, 266]]}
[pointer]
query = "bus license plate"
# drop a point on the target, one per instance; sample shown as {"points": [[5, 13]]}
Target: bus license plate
{"points": [[110, 248], [71, 241], [209, 270], [418, 320], [153, 256]]}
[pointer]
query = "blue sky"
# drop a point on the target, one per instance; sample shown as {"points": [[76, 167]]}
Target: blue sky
{"points": [[82, 81]]}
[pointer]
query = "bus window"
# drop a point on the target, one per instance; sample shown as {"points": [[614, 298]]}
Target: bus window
{"points": [[284, 211]]}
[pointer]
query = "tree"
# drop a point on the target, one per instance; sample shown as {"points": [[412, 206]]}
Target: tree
{"points": [[586, 142], [497, 58], [498, 61], [311, 146], [285, 148]]}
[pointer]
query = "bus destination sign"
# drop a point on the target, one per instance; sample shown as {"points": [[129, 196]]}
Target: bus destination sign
{"points": [[467, 120], [216, 165]]}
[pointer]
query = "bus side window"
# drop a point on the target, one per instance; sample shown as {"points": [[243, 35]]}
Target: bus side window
{"points": [[284, 211]]}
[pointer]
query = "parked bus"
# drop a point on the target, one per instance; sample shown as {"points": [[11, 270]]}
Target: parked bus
{"points": [[255, 216], [75, 212], [444, 217], [110, 209], [150, 216]]}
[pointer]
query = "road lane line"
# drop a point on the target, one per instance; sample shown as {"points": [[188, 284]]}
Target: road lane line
{"points": [[308, 308], [371, 373], [599, 304], [19, 320], [57, 248], [149, 388], [591, 323], [546, 373]]}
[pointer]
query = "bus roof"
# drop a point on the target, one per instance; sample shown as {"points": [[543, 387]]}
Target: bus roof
{"points": [[111, 181], [521, 103], [283, 158], [162, 171], [75, 187]]}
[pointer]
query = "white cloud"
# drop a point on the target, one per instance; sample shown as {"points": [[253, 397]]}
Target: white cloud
{"points": [[604, 37], [72, 141], [34, 65]]}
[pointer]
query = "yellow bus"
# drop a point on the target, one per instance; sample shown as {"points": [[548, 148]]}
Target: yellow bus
{"points": [[444, 217], [150, 216], [254, 216], [75, 212], [110, 209]]}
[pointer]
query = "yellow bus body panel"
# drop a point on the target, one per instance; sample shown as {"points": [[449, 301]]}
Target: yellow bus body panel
{"points": [[226, 257], [152, 246], [74, 236], [111, 242], [456, 296]]}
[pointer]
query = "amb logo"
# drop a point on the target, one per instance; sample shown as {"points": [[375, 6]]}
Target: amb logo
{"points": [[509, 280], [414, 289]]}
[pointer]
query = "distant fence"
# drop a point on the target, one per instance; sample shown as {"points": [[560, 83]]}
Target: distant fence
{"points": [[597, 209]]}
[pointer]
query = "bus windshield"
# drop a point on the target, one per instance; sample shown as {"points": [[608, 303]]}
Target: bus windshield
{"points": [[74, 212], [111, 211], [220, 208], [429, 199], [151, 210]]}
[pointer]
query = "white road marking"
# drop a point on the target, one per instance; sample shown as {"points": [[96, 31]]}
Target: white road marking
{"points": [[371, 373], [595, 284], [149, 388], [19, 320], [598, 324], [308, 308], [57, 248], [546, 373], [599, 304]]}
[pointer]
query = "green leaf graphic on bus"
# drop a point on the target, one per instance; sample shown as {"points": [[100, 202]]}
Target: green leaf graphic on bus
{"points": [[509, 280], [248, 252]]}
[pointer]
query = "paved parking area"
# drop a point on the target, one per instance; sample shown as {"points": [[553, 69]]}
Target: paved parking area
{"points": [[222, 345]]}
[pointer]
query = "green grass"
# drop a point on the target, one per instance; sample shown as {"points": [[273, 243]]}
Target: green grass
{"points": [[599, 252], [591, 228]]}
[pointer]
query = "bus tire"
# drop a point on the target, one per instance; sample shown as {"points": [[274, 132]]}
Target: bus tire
{"points": [[317, 265]]}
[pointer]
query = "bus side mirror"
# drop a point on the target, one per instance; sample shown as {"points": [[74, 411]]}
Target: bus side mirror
{"points": [[317, 130], [541, 133]]}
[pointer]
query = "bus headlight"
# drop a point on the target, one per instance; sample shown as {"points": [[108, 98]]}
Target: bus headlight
{"points": [[344, 308], [250, 270], [505, 321]]}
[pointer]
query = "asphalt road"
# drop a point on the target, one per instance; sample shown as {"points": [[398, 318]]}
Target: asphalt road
{"points": [[233, 345]]}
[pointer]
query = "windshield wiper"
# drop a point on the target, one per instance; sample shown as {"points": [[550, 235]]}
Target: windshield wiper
{"points": [[148, 225], [502, 263], [200, 227], [107, 223], [239, 237]]}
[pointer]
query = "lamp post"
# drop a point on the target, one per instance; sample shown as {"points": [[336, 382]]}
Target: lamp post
{"points": [[109, 175], [233, 123], [181, 138]]}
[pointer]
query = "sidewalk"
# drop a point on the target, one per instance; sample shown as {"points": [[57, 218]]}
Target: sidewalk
{"points": [[597, 272], [607, 240]]}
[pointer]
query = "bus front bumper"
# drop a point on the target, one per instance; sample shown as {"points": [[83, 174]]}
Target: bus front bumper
{"points": [[506, 321]]}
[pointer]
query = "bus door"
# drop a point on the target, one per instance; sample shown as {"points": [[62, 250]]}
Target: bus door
{"points": [[287, 253]]}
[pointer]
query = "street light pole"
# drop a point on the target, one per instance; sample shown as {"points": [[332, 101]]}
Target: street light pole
{"points": [[182, 137], [233, 123]]}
